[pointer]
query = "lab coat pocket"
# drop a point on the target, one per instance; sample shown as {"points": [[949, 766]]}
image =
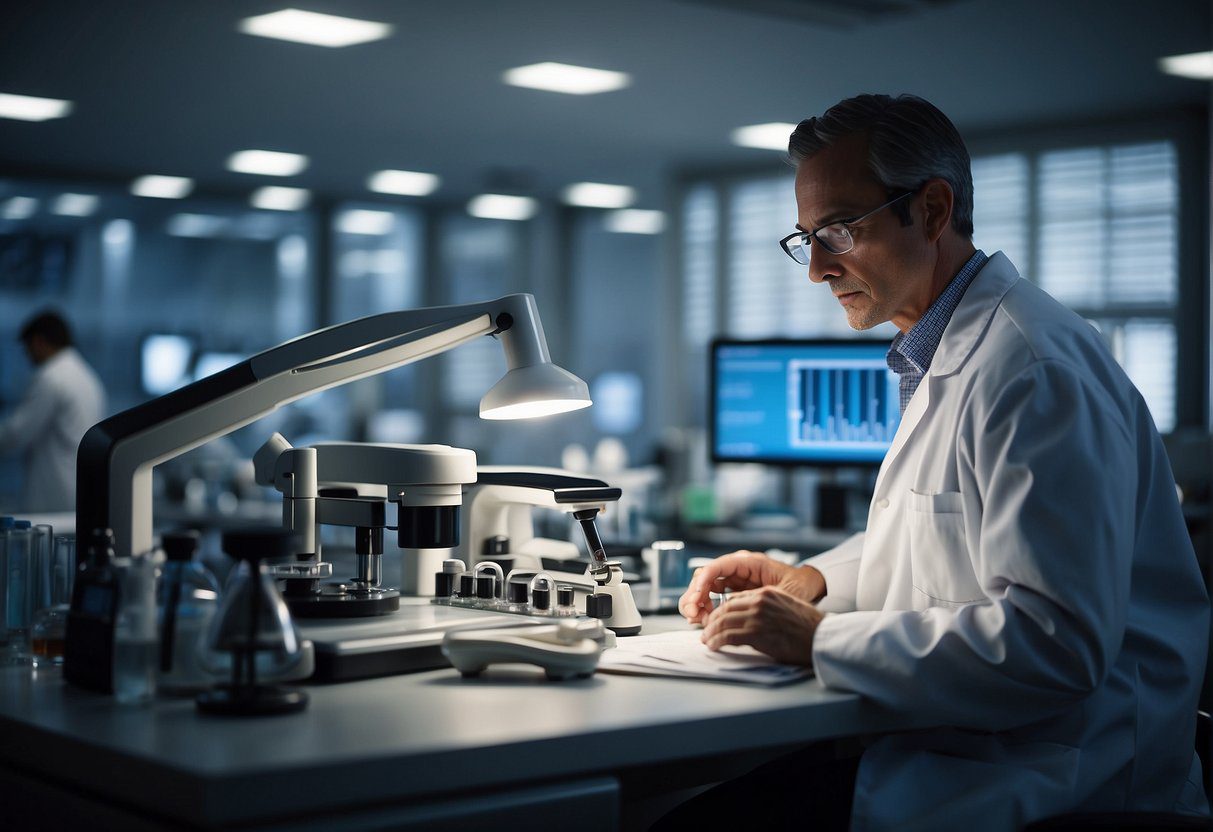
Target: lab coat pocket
{"points": [[940, 565]]}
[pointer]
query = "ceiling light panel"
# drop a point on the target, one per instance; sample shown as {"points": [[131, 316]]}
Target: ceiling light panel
{"points": [[313, 28], [502, 207], [162, 187], [1198, 65], [31, 108], [566, 78], [403, 182], [267, 162], [275, 198], [75, 205], [771, 136], [362, 221], [18, 208], [635, 221], [195, 225], [598, 195]]}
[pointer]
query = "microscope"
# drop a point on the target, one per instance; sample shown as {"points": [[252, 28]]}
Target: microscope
{"points": [[499, 526], [349, 484]]}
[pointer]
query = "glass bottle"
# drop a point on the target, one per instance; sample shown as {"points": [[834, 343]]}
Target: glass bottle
{"points": [[135, 654], [187, 597]]}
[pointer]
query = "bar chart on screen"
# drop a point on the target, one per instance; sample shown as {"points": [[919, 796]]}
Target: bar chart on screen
{"points": [[833, 402]]}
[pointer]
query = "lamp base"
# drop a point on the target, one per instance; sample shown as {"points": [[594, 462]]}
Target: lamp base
{"points": [[258, 700]]}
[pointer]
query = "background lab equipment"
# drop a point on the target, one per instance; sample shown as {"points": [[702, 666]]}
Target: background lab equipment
{"points": [[116, 457]]}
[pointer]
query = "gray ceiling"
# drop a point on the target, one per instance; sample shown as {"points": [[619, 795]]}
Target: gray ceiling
{"points": [[168, 86]]}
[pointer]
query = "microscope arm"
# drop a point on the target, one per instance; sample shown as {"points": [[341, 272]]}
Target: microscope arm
{"points": [[551, 488], [116, 456]]}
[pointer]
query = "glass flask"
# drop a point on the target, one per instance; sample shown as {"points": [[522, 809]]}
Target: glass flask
{"points": [[252, 639]]}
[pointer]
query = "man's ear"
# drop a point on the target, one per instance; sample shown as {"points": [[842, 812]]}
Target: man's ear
{"points": [[936, 208]]}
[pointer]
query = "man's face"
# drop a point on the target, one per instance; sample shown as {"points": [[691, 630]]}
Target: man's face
{"points": [[887, 275], [37, 349]]}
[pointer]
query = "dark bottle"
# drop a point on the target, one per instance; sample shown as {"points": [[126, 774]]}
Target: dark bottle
{"points": [[88, 650]]}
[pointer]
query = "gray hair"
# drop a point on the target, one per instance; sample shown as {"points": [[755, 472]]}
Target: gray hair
{"points": [[909, 142]]}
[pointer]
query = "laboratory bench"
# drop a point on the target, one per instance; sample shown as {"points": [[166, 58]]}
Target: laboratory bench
{"points": [[427, 750]]}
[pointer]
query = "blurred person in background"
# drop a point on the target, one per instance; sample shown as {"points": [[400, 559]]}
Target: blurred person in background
{"points": [[64, 399]]}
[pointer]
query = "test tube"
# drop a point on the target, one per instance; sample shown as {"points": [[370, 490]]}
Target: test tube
{"points": [[19, 542]]}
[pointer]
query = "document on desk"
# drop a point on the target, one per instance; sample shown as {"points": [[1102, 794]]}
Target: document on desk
{"points": [[682, 654]]}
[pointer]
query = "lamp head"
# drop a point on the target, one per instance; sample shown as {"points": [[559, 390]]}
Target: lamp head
{"points": [[535, 390]]}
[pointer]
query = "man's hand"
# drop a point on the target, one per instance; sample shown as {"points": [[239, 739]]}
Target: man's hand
{"points": [[770, 620], [747, 570]]}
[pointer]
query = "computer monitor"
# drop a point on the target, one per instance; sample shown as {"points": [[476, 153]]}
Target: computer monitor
{"points": [[807, 402]]}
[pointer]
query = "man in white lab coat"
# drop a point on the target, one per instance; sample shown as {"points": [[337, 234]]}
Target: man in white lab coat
{"points": [[1025, 581], [64, 399]]}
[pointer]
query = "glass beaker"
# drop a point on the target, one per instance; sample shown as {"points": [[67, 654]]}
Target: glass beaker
{"points": [[19, 545], [55, 573]]}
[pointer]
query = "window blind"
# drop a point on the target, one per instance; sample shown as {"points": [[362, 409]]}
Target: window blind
{"points": [[1105, 239], [699, 236], [478, 258], [1000, 206]]}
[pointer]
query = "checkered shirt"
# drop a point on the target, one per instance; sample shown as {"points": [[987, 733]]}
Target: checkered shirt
{"points": [[911, 352]]}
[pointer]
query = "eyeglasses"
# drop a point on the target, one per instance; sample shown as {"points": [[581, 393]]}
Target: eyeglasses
{"points": [[835, 238]]}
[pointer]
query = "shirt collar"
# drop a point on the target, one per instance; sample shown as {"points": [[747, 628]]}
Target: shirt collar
{"points": [[919, 343]]}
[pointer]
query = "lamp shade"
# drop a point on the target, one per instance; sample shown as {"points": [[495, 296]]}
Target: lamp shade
{"points": [[535, 390]]}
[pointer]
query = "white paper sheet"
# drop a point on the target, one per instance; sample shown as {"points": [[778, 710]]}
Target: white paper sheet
{"points": [[682, 654]]}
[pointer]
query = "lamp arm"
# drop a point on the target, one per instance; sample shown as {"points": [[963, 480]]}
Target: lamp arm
{"points": [[116, 456]]}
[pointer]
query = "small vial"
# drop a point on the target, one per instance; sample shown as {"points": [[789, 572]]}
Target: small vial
{"points": [[488, 599], [565, 606], [541, 594], [486, 594], [466, 596], [136, 649], [516, 597], [446, 582]]}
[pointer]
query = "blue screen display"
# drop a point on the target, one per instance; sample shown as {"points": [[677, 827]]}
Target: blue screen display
{"points": [[816, 402]]}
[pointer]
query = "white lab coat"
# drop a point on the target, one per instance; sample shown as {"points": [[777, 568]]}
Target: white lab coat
{"points": [[64, 399], [1025, 579]]}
